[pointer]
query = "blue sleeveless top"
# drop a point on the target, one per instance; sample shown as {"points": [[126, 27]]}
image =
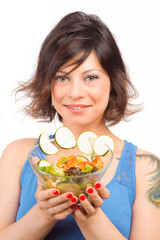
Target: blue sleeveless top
{"points": [[118, 207]]}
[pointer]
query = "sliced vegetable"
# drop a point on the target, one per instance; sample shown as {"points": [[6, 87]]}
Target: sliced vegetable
{"points": [[102, 144], [44, 163], [46, 145], [71, 162], [56, 171], [97, 162], [73, 187], [85, 142], [61, 162], [84, 164], [65, 138], [82, 158], [87, 169]]}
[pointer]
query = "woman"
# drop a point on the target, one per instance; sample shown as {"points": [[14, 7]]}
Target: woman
{"points": [[81, 77]]}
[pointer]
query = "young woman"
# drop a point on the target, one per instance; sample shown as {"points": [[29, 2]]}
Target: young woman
{"points": [[81, 77]]}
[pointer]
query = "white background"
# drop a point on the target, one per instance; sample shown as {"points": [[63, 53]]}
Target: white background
{"points": [[136, 27]]}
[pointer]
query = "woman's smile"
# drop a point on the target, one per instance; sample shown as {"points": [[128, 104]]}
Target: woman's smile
{"points": [[77, 108]]}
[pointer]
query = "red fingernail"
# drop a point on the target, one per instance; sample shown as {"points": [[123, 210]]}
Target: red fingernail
{"points": [[90, 190], [74, 206], [69, 195], [74, 199], [82, 197], [97, 185], [55, 192]]}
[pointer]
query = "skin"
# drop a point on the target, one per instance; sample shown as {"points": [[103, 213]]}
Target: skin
{"points": [[88, 86], [80, 88]]}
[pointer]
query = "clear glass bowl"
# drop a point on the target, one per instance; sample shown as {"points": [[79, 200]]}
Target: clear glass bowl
{"points": [[76, 184]]}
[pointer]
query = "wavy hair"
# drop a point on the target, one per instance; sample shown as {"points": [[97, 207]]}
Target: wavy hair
{"points": [[78, 33]]}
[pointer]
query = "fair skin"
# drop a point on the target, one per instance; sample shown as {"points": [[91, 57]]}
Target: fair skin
{"points": [[80, 94], [80, 97]]}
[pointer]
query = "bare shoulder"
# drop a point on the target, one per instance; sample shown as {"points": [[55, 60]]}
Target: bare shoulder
{"points": [[17, 151], [146, 161], [11, 164], [148, 176]]}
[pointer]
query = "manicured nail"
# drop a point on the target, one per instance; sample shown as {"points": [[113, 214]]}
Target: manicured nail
{"points": [[74, 206], [90, 190], [69, 195], [97, 185], [82, 197], [74, 199], [55, 192]]}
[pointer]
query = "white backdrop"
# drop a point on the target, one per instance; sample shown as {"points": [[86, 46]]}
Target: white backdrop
{"points": [[136, 27]]}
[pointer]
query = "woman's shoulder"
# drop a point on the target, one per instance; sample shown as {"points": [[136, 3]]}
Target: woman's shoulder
{"points": [[146, 163], [146, 160], [17, 151], [147, 175], [20, 145]]}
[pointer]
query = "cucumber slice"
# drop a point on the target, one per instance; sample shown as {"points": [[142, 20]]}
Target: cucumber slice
{"points": [[44, 163], [73, 187], [101, 144], [85, 142], [65, 138], [46, 145]]}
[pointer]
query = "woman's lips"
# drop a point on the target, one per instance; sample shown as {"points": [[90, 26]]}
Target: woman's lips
{"points": [[74, 108]]}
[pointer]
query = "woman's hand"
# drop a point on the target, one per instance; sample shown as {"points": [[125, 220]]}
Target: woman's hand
{"points": [[90, 206], [54, 205]]}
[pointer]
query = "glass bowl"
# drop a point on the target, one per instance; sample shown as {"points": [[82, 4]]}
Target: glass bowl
{"points": [[75, 184]]}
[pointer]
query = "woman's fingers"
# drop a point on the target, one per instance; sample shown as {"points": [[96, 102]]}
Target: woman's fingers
{"points": [[45, 194], [102, 190], [78, 214], [86, 205], [62, 215], [63, 206], [56, 206], [94, 200], [54, 202]]}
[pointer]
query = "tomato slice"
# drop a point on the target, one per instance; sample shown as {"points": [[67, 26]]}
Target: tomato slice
{"points": [[84, 164], [97, 162], [71, 162]]}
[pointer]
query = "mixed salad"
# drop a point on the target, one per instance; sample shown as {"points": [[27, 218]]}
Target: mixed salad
{"points": [[67, 173]]}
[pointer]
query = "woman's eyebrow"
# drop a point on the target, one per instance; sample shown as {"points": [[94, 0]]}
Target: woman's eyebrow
{"points": [[84, 72], [61, 71], [92, 69]]}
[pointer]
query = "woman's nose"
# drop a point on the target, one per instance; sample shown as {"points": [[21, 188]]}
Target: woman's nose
{"points": [[77, 89]]}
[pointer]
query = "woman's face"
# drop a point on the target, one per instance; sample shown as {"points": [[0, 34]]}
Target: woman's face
{"points": [[81, 96]]}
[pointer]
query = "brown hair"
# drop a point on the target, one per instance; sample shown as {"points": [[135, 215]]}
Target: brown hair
{"points": [[75, 33]]}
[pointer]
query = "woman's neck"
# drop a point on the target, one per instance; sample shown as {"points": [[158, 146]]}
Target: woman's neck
{"points": [[100, 129]]}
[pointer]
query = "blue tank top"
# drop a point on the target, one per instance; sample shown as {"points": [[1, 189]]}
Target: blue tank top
{"points": [[118, 207]]}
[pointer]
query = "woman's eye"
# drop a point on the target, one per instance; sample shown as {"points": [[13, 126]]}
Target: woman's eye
{"points": [[91, 77], [61, 78]]}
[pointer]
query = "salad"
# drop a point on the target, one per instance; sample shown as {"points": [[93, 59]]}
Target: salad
{"points": [[74, 172]]}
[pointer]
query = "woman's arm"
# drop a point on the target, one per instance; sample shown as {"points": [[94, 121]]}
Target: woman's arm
{"points": [[98, 227], [92, 221], [39, 221], [30, 226], [146, 208]]}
